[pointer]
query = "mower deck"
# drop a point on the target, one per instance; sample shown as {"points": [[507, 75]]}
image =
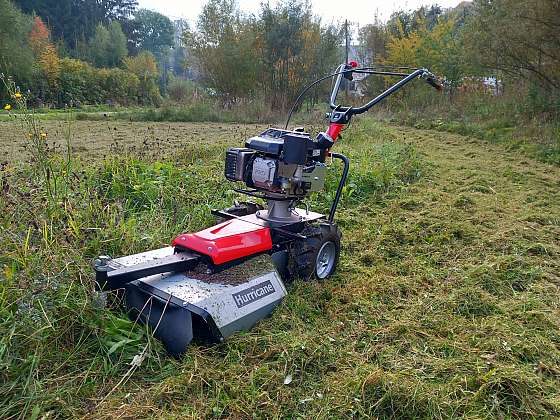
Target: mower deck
{"points": [[197, 303]]}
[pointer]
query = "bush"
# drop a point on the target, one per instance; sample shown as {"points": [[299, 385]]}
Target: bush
{"points": [[75, 80], [144, 66], [181, 90], [81, 83], [119, 86]]}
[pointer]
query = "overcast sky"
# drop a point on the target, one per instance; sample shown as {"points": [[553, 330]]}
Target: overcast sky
{"points": [[359, 11]]}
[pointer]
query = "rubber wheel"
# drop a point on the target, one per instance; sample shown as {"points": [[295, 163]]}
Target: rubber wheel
{"points": [[316, 257]]}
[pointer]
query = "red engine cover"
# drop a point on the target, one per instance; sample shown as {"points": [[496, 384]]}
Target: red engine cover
{"points": [[227, 241]]}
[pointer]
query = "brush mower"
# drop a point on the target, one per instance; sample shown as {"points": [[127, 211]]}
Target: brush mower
{"points": [[209, 284]]}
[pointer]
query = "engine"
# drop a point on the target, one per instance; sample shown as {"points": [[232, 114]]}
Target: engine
{"points": [[280, 162]]}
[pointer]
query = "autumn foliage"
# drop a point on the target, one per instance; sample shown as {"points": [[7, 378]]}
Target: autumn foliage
{"points": [[39, 37], [47, 59], [34, 53]]}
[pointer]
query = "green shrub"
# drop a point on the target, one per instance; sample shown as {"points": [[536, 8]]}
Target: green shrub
{"points": [[120, 86], [181, 90], [81, 83], [75, 80], [144, 66]]}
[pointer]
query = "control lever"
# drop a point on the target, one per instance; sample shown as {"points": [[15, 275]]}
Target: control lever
{"points": [[432, 81]]}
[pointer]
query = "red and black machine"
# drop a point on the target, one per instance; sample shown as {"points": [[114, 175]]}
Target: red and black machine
{"points": [[209, 284]]}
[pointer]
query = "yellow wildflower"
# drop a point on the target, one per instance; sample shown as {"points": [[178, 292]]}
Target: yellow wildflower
{"points": [[8, 107], [43, 136], [17, 95]]}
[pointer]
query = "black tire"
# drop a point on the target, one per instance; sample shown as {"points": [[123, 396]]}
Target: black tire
{"points": [[304, 255]]}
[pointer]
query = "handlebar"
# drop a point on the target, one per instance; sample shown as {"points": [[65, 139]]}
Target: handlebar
{"points": [[346, 71], [342, 114]]}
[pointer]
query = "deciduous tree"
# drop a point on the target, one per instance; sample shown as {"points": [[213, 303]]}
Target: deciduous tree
{"points": [[153, 32], [519, 38], [74, 21], [144, 66], [223, 50], [16, 56], [108, 45]]}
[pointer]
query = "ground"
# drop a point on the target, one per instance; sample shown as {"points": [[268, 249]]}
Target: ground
{"points": [[445, 304]]}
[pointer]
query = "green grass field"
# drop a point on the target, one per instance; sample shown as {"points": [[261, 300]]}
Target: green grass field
{"points": [[446, 302]]}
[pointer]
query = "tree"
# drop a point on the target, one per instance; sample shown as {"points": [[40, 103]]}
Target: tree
{"points": [[441, 50], [47, 64], [403, 24], [108, 45], [119, 10], [437, 47], [372, 40], [16, 56], [117, 51], [144, 66], [403, 50], [519, 38], [282, 31], [39, 36], [27, 53], [223, 49], [74, 21], [319, 55], [274, 55], [153, 32]]}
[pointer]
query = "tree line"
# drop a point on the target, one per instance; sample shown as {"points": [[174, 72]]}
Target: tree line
{"points": [[109, 50], [270, 55], [68, 52], [475, 45]]}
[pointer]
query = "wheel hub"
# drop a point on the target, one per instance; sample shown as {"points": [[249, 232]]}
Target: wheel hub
{"points": [[325, 260]]}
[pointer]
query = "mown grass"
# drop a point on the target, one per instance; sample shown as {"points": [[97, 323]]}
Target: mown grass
{"points": [[445, 303], [513, 119]]}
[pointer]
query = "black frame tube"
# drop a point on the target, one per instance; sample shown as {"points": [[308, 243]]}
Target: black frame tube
{"points": [[334, 205], [388, 92], [114, 276]]}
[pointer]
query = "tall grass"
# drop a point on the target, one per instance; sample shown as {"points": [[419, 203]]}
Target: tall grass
{"points": [[199, 110], [443, 305]]}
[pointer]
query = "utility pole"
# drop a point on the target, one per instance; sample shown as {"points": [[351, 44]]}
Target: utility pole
{"points": [[346, 39], [346, 84]]}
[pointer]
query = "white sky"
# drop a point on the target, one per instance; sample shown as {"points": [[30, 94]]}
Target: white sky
{"points": [[358, 11]]}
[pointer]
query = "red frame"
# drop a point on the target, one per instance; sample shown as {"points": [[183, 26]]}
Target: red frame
{"points": [[227, 241], [334, 130]]}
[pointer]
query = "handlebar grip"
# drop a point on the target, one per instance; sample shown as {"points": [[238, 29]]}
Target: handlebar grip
{"points": [[432, 82]]}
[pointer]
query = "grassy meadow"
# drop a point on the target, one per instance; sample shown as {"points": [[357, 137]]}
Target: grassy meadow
{"points": [[446, 302]]}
